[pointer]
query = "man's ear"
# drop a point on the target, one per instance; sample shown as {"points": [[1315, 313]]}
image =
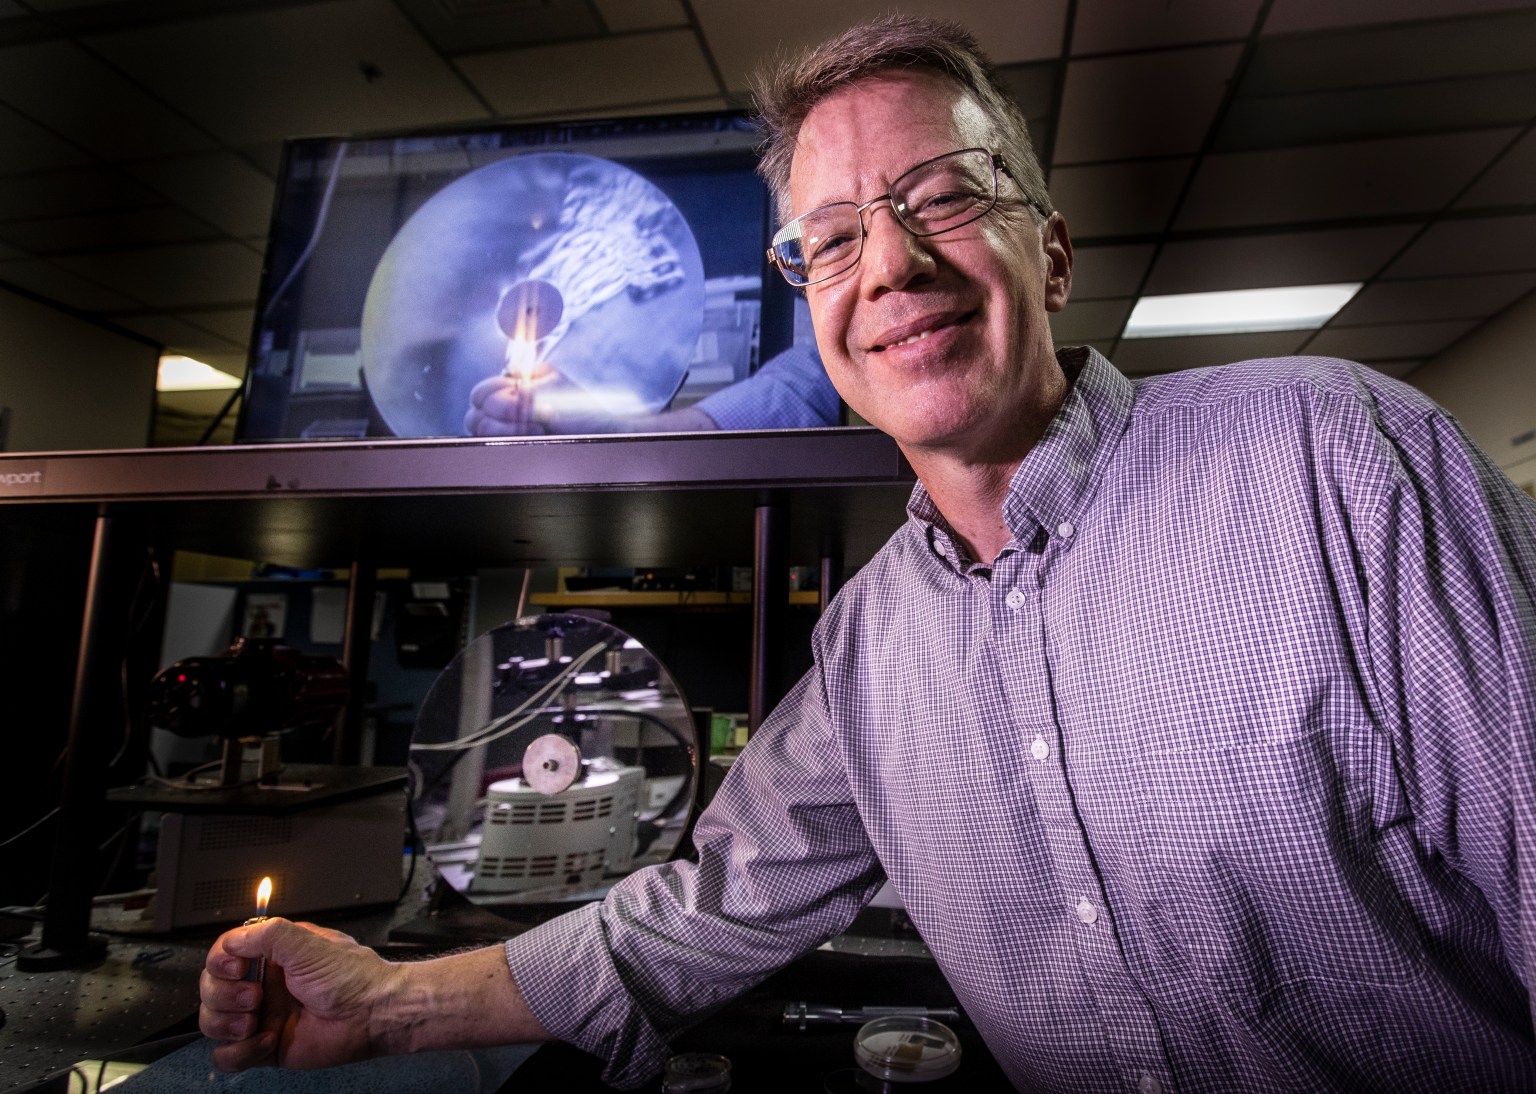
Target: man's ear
{"points": [[1057, 246]]}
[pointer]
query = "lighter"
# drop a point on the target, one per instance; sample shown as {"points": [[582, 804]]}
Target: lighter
{"points": [[258, 970]]}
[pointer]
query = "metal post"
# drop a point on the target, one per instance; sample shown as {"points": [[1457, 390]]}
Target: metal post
{"points": [[66, 937], [770, 606], [831, 576], [356, 645]]}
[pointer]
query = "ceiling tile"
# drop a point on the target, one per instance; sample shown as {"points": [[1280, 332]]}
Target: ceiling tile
{"points": [[62, 86], [1471, 246], [1397, 369], [1299, 15], [1393, 55], [1329, 182], [175, 276], [1106, 25], [1118, 199], [1435, 298], [266, 158], [177, 335], [1274, 259], [1108, 271], [69, 192], [1033, 87], [1279, 121], [47, 280], [1389, 341], [627, 15], [1090, 320], [98, 231], [295, 71], [1510, 181], [605, 72], [500, 23], [232, 324], [742, 36], [1168, 354], [222, 188], [1148, 104], [30, 147]]}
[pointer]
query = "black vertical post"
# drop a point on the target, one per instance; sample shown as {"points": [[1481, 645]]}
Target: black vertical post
{"points": [[356, 644], [831, 577], [96, 707], [770, 606]]}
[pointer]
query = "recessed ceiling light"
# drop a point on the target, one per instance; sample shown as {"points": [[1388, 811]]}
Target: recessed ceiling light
{"points": [[1297, 307], [185, 374]]}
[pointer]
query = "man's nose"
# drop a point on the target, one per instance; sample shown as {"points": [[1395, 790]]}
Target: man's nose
{"points": [[893, 257]]}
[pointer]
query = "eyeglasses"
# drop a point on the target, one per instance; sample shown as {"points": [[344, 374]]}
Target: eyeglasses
{"points": [[938, 195]]}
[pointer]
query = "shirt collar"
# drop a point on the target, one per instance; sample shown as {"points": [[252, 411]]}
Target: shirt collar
{"points": [[1058, 476]]}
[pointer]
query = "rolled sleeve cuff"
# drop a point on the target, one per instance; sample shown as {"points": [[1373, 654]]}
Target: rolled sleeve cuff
{"points": [[567, 978]]}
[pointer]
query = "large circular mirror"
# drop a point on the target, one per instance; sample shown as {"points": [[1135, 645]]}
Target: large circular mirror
{"points": [[553, 755]]}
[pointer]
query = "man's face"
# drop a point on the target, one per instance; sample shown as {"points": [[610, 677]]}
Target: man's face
{"points": [[941, 342]]}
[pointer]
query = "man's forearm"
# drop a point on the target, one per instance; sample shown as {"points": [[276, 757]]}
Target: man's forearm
{"points": [[465, 1000]]}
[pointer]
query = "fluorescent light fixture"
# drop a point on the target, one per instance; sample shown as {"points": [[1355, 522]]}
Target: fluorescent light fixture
{"points": [[1297, 307], [185, 374]]}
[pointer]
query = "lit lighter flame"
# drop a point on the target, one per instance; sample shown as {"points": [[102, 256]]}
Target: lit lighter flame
{"points": [[263, 895], [522, 358]]}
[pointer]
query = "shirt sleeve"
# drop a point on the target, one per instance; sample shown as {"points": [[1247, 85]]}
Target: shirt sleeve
{"points": [[790, 391], [783, 864], [1447, 564]]}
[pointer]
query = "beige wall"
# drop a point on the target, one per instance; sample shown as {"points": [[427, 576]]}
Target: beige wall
{"points": [[1486, 383], [70, 384]]}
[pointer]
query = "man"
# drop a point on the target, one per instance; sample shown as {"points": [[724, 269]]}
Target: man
{"points": [[1192, 720]]}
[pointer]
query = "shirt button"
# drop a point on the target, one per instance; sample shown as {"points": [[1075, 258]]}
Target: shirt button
{"points": [[1039, 750], [1087, 912], [1014, 599], [1149, 1084], [1065, 529]]}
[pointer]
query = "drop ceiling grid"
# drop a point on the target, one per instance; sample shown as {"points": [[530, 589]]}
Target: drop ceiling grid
{"points": [[1106, 26], [549, 80], [1260, 261], [742, 34], [1142, 105], [295, 71], [147, 137], [61, 86]]}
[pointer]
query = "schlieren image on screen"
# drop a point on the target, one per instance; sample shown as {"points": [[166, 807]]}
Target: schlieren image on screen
{"points": [[579, 275]]}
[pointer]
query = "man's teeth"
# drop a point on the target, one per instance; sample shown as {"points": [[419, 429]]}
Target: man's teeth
{"points": [[914, 338]]}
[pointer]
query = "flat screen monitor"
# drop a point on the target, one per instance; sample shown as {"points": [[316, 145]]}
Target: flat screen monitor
{"points": [[586, 274]]}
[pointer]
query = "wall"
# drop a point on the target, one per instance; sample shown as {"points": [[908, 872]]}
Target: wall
{"points": [[69, 384], [1485, 381]]}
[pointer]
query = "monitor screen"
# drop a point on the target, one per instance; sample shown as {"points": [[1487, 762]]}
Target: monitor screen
{"points": [[552, 278]]}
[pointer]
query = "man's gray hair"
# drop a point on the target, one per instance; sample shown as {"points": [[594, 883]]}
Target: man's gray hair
{"points": [[788, 89]]}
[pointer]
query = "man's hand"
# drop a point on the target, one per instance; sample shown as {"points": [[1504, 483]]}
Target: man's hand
{"points": [[317, 1005], [500, 407], [327, 1000]]}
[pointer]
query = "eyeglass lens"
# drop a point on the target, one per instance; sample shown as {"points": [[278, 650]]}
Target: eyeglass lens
{"points": [[936, 196]]}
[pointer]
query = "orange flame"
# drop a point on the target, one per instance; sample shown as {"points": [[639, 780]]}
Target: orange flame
{"points": [[263, 895]]}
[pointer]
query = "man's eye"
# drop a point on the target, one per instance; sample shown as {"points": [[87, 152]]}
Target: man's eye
{"points": [[941, 203], [822, 249]]}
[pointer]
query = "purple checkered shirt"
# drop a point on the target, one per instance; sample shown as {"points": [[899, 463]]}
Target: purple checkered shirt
{"points": [[1220, 777]]}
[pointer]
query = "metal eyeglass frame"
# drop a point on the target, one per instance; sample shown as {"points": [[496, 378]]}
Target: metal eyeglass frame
{"points": [[997, 164]]}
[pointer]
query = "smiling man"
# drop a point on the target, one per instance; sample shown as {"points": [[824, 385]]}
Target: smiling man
{"points": [[1194, 720]]}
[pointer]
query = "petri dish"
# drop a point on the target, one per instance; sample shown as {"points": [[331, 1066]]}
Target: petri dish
{"points": [[907, 1049], [697, 1073]]}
